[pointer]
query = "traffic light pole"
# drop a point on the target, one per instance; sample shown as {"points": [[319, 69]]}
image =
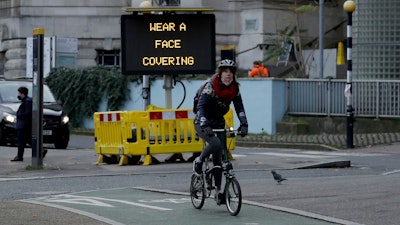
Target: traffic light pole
{"points": [[37, 98]]}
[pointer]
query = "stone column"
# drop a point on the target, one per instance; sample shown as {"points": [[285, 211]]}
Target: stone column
{"points": [[15, 58]]}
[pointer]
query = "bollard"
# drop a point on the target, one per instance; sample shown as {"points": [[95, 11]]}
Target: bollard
{"points": [[340, 54]]}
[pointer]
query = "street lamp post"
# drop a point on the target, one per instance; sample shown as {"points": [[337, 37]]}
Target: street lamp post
{"points": [[321, 39], [349, 6]]}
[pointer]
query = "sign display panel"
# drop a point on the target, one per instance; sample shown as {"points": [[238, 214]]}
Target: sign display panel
{"points": [[168, 44]]}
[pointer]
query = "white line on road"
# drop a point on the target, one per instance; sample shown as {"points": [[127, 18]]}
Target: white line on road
{"points": [[132, 203], [391, 172], [77, 200], [291, 155], [238, 156], [315, 154], [343, 153], [93, 201], [18, 178], [77, 211]]}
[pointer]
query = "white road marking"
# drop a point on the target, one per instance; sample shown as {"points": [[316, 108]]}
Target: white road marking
{"points": [[291, 155], [238, 156], [314, 154], [133, 203], [78, 200], [167, 200], [391, 172], [344, 153], [77, 211], [94, 201], [18, 178]]}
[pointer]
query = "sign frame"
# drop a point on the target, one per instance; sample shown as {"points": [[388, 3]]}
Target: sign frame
{"points": [[158, 44]]}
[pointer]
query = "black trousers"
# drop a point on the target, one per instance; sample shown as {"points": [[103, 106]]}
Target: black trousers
{"points": [[215, 147], [23, 137]]}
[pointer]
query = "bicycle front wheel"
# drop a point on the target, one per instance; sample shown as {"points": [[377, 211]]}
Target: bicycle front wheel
{"points": [[197, 191], [233, 196]]}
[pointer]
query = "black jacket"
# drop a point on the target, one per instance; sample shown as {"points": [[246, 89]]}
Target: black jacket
{"points": [[211, 108], [24, 114]]}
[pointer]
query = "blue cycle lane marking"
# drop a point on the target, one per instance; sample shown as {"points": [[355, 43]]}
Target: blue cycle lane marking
{"points": [[135, 206]]}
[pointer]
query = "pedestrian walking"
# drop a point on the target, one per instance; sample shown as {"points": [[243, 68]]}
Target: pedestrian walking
{"points": [[24, 123]]}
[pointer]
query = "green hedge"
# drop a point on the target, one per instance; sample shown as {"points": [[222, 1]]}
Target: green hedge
{"points": [[81, 90]]}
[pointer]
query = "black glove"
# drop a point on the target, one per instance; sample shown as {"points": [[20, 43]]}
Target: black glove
{"points": [[208, 130], [243, 129]]}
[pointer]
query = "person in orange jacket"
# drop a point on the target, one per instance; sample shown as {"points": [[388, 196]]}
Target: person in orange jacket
{"points": [[258, 70]]}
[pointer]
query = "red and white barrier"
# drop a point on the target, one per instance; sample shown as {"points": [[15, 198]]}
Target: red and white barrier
{"points": [[172, 115], [110, 117]]}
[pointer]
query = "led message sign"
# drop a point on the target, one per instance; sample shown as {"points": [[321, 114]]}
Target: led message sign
{"points": [[168, 44]]}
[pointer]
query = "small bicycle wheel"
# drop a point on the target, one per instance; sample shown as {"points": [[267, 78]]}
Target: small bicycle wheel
{"points": [[233, 196], [197, 191]]}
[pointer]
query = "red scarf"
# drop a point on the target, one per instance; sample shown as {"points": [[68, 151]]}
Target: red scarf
{"points": [[226, 93]]}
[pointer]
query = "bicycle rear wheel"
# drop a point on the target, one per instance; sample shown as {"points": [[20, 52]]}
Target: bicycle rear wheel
{"points": [[197, 191], [233, 196]]}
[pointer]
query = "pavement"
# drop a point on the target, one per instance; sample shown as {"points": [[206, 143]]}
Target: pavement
{"points": [[67, 165]]}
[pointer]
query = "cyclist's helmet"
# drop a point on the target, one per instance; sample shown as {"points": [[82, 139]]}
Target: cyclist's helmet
{"points": [[227, 63]]}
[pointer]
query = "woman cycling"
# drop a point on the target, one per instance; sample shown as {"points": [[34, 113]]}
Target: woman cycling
{"points": [[221, 89]]}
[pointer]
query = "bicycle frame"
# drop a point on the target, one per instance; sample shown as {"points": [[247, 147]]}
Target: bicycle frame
{"points": [[202, 186], [227, 167]]}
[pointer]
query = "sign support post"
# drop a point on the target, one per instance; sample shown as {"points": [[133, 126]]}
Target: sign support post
{"points": [[146, 92], [37, 98], [168, 91]]}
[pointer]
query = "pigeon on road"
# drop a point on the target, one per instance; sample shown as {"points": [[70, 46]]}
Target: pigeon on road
{"points": [[277, 177]]}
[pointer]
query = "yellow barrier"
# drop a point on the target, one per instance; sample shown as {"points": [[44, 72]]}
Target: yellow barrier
{"points": [[108, 132], [123, 135]]}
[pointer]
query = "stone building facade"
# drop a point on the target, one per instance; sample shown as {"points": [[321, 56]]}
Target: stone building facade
{"points": [[96, 26], [95, 23]]}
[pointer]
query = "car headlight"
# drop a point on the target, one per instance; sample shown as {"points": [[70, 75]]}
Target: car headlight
{"points": [[65, 120], [9, 117]]}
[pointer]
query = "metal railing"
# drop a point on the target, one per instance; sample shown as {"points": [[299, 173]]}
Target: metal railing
{"points": [[325, 97]]}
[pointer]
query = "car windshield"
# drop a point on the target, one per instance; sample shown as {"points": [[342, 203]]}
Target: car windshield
{"points": [[9, 92]]}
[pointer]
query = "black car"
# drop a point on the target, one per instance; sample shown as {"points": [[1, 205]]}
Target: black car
{"points": [[55, 120]]}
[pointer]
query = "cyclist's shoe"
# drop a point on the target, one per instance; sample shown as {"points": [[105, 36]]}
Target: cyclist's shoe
{"points": [[220, 198], [197, 166]]}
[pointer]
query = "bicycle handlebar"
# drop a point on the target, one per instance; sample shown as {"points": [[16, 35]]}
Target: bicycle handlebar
{"points": [[222, 130], [232, 132], [225, 129]]}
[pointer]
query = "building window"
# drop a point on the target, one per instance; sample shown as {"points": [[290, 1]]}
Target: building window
{"points": [[108, 57], [251, 25]]}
